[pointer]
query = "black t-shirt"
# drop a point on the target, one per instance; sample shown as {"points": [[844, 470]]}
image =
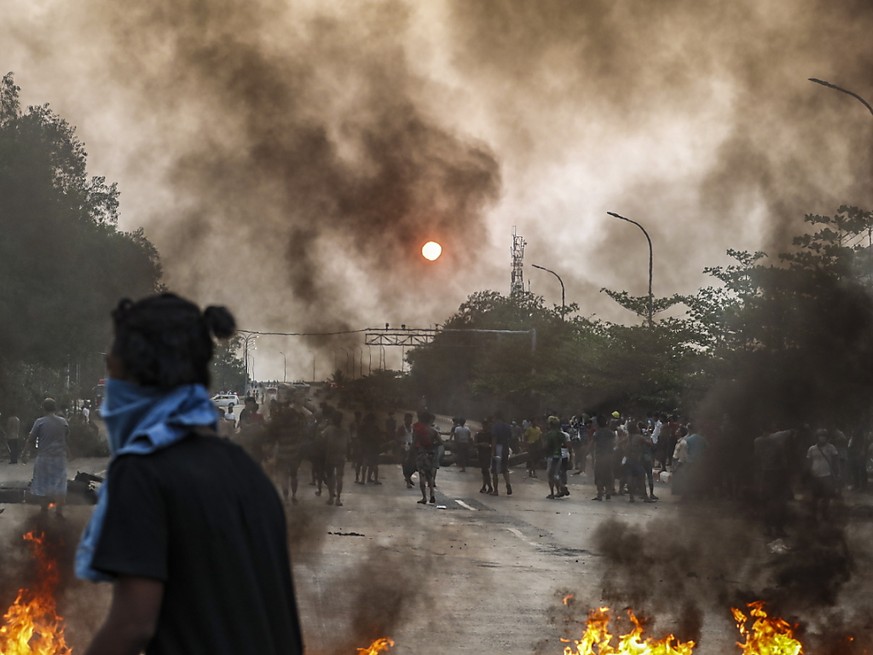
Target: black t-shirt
{"points": [[203, 518], [604, 441], [502, 433]]}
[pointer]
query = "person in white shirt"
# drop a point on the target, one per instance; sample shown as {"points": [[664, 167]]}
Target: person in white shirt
{"points": [[823, 466], [228, 427], [461, 438]]}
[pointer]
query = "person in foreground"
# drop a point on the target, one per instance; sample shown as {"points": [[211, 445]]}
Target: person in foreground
{"points": [[187, 526]]}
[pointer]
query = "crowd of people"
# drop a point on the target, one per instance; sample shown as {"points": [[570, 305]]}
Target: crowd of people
{"points": [[620, 455], [623, 452], [194, 534]]}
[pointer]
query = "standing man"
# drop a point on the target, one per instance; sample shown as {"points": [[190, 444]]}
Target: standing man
{"points": [[425, 442], [566, 452], [356, 451], [336, 443], [823, 464], [501, 437], [604, 447], [483, 455], [288, 429], [13, 436], [50, 434], [404, 439], [251, 428], [250, 416], [390, 429], [462, 438], [773, 478], [553, 441], [638, 446], [370, 443], [187, 526], [659, 440], [532, 440], [228, 426]]}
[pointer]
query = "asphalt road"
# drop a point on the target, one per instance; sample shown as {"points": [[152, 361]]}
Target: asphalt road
{"points": [[472, 574]]}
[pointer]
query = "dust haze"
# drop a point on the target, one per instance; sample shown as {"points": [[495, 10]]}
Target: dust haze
{"points": [[289, 158]]}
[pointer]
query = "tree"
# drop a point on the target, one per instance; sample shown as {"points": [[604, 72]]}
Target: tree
{"points": [[227, 368], [64, 264], [792, 341]]}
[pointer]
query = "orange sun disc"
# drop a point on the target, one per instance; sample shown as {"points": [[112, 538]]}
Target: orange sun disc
{"points": [[431, 251]]}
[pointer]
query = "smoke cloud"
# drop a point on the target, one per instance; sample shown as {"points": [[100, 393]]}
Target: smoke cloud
{"points": [[290, 158], [697, 120]]}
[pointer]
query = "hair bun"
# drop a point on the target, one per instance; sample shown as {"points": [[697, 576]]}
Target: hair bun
{"points": [[121, 311], [219, 321]]}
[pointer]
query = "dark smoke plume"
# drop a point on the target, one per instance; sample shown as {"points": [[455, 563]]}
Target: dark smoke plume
{"points": [[675, 572], [304, 167], [285, 152], [385, 590], [732, 144], [808, 367]]}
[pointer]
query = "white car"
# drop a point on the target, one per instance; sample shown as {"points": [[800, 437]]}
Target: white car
{"points": [[222, 400]]}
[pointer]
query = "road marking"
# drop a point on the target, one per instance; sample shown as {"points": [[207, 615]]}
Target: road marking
{"points": [[518, 534], [465, 505]]}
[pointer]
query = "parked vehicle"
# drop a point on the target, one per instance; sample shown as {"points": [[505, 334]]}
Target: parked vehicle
{"points": [[222, 400]]}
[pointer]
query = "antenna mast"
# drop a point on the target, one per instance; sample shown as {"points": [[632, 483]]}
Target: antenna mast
{"points": [[516, 286]]}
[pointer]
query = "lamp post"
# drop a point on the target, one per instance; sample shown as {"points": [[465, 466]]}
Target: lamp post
{"points": [[856, 97], [284, 367], [248, 339], [548, 270], [649, 239], [846, 91]]}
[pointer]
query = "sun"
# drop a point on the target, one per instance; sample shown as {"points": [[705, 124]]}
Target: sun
{"points": [[431, 251]]}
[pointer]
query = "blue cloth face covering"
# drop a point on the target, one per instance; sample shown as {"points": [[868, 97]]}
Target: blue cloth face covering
{"points": [[141, 420]]}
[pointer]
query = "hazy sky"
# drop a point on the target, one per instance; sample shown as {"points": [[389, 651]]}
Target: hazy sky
{"points": [[289, 158]]}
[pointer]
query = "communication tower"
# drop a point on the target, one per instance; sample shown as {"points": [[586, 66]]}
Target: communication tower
{"points": [[517, 277]]}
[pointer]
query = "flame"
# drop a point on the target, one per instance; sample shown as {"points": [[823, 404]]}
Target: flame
{"points": [[767, 636], [598, 640], [381, 645], [31, 625], [568, 600]]}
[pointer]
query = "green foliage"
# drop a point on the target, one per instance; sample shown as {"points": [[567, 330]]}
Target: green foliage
{"points": [[639, 305], [63, 262], [577, 364], [382, 390], [795, 336], [776, 341], [227, 368]]}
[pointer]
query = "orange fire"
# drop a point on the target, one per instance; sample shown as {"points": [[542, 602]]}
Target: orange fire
{"points": [[766, 636], [31, 625], [598, 640], [568, 600], [381, 645]]}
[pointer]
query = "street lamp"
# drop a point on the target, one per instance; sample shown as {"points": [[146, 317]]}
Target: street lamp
{"points": [[284, 367], [846, 91], [248, 339], [856, 97], [648, 238], [548, 270]]}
